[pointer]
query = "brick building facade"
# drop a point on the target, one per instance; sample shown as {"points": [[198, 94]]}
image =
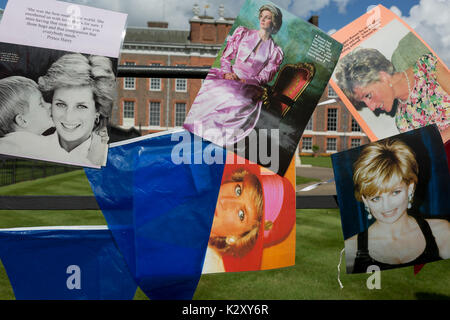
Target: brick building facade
{"points": [[331, 128], [152, 105], [156, 104]]}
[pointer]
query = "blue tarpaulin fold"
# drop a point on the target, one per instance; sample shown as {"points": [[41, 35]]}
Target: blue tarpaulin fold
{"points": [[158, 195], [65, 264]]}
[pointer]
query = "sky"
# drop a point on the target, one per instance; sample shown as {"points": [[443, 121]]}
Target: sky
{"points": [[429, 18]]}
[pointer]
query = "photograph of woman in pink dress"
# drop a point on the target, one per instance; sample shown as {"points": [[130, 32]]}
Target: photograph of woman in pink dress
{"points": [[264, 85], [228, 105]]}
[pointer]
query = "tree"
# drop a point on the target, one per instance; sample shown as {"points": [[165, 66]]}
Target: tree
{"points": [[315, 149]]}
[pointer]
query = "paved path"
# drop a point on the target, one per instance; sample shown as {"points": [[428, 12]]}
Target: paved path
{"points": [[323, 174]]}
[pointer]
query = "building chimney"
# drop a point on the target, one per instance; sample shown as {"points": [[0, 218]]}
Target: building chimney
{"points": [[208, 30], [314, 20], [157, 24]]}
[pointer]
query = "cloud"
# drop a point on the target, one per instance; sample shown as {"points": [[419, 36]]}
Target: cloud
{"points": [[304, 8], [370, 7], [430, 19], [396, 10], [178, 12], [331, 31], [342, 5]]}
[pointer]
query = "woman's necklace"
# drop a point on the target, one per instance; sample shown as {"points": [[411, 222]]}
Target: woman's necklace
{"points": [[409, 89]]}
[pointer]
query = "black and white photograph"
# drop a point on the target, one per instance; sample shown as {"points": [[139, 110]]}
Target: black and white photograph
{"points": [[55, 105]]}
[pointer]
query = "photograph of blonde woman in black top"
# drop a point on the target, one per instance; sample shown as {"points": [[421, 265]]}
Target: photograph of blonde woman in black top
{"points": [[393, 202]]}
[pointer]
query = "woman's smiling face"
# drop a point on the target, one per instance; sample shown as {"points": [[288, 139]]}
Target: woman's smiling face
{"points": [[74, 113], [389, 206]]}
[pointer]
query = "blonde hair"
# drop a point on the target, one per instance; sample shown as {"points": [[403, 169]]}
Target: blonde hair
{"points": [[245, 242], [381, 166], [15, 93], [75, 69]]}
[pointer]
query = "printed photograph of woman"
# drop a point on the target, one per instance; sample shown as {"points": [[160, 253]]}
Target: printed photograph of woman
{"points": [[227, 106], [58, 110], [400, 231], [417, 96], [402, 83], [255, 211], [264, 85], [82, 91]]}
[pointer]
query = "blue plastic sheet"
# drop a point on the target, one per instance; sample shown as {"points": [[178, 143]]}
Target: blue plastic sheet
{"points": [[59, 264], [113, 190], [158, 195]]}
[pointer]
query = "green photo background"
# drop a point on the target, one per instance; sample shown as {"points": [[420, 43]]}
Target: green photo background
{"points": [[295, 38]]}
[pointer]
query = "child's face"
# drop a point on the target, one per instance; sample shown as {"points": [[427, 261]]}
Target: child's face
{"points": [[38, 116]]}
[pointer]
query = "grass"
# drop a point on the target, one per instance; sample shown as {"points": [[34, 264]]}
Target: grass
{"points": [[317, 162], [318, 245], [71, 183], [16, 170], [314, 277], [302, 180]]}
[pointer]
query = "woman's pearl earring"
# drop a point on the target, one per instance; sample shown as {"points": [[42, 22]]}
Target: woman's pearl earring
{"points": [[369, 216], [230, 240], [410, 197]]}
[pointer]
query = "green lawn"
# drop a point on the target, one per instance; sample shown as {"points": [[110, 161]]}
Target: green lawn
{"points": [[71, 183], [317, 162], [17, 170], [314, 277], [302, 180], [318, 245]]}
